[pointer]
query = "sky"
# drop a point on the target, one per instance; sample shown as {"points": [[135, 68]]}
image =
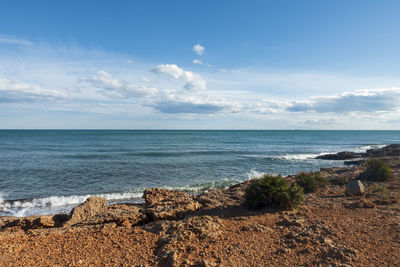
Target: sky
{"points": [[200, 64]]}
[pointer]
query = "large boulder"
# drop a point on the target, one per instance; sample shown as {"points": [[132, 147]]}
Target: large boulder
{"points": [[355, 188], [165, 204], [90, 208]]}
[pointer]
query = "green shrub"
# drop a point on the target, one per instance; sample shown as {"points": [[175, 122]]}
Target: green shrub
{"points": [[377, 170], [312, 181], [272, 191], [378, 188]]}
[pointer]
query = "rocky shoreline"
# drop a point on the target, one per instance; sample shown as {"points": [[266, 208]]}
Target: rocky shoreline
{"points": [[214, 229]]}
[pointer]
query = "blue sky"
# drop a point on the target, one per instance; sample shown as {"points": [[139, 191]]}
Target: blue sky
{"points": [[200, 64]]}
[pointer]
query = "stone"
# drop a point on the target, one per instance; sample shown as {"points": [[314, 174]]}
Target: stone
{"points": [[165, 204], [282, 250], [355, 188], [389, 150], [91, 207], [123, 215], [297, 222], [44, 221], [340, 156]]}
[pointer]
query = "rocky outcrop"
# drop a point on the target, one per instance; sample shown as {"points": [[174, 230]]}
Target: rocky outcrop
{"points": [[341, 156], [120, 214], [387, 151], [355, 188], [222, 198], [164, 204], [27, 223], [87, 210], [95, 210]]}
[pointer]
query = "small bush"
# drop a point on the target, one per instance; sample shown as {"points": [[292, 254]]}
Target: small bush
{"points": [[272, 191], [378, 188], [312, 181], [377, 170]]}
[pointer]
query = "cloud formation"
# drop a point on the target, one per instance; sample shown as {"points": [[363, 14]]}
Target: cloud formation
{"points": [[49, 77], [175, 107], [6, 39], [197, 61], [114, 87], [199, 49], [193, 80], [16, 91], [368, 101]]}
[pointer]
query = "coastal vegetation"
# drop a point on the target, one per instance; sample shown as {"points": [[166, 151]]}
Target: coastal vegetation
{"points": [[377, 170], [311, 181], [273, 191]]}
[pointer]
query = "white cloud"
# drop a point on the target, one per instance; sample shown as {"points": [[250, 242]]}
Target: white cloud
{"points": [[6, 39], [193, 80], [16, 91], [197, 61], [112, 86], [198, 49], [367, 101], [51, 77]]}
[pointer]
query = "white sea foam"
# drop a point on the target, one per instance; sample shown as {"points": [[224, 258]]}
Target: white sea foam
{"points": [[362, 149], [253, 174], [302, 156], [299, 156], [53, 204], [312, 156], [1, 199]]}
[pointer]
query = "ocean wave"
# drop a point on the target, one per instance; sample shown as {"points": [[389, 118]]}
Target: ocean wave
{"points": [[364, 148], [53, 204], [305, 156], [64, 204], [252, 174], [312, 156]]}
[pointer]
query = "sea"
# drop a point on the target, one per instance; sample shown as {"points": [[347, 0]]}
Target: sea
{"points": [[51, 171]]}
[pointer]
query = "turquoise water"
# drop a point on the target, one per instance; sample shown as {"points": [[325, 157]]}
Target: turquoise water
{"points": [[50, 171]]}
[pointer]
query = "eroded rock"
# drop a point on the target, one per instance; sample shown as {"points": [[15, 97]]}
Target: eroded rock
{"points": [[87, 210], [165, 204], [223, 198], [340, 156]]}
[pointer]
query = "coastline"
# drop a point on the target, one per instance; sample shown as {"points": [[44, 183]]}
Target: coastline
{"points": [[214, 229]]}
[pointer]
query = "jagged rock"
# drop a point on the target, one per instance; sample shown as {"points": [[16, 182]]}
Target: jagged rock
{"points": [[164, 204], [91, 207], [389, 150], [44, 221], [340, 156], [27, 223], [121, 215], [355, 188], [223, 198]]}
